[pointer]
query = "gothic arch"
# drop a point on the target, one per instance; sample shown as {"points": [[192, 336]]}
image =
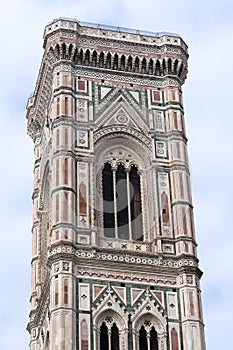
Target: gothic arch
{"points": [[109, 61], [118, 149], [152, 326], [87, 58], [63, 51], [101, 59], [112, 322], [94, 58], [122, 64]]}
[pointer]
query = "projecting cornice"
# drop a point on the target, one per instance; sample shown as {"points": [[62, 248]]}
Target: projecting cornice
{"points": [[105, 52]]}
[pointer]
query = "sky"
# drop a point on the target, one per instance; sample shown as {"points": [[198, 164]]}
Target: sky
{"points": [[207, 28]]}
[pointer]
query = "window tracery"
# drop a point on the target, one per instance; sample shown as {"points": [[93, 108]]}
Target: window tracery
{"points": [[122, 207]]}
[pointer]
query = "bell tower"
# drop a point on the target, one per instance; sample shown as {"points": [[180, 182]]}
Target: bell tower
{"points": [[114, 261]]}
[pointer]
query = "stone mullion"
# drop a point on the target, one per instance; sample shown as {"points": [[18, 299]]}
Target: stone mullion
{"points": [[109, 338], [128, 202], [96, 338], [134, 335], [148, 340], [143, 204]]}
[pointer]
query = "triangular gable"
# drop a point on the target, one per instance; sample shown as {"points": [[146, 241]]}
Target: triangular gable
{"points": [[122, 117], [148, 306], [109, 300], [122, 112]]}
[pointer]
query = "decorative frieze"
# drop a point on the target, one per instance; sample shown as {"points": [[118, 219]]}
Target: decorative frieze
{"points": [[84, 72]]}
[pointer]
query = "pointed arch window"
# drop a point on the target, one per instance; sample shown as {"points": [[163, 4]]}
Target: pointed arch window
{"points": [[143, 339], [84, 335], [101, 60], [174, 339], [108, 61], [130, 64], [109, 337], [153, 339], [148, 340], [122, 207], [94, 59], [114, 337], [104, 337]]}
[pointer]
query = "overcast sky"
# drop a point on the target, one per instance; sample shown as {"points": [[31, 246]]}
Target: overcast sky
{"points": [[207, 28]]}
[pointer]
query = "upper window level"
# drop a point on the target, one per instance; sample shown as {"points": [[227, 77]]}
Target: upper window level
{"points": [[123, 195]]}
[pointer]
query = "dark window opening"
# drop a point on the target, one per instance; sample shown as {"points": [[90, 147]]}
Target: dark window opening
{"points": [[153, 339], [122, 205], [122, 210], [135, 204], [114, 337], [103, 337], [143, 339], [108, 203]]}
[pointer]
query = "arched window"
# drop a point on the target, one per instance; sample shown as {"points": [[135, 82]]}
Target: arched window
{"points": [[122, 211], [164, 67], [153, 339], [104, 337], [87, 58], [136, 65], [63, 50], [115, 62], [108, 61], [122, 65], [114, 337], [94, 59], [157, 68], [108, 201], [70, 51], [122, 202], [143, 339], [151, 65], [80, 57], [84, 335], [109, 337], [101, 60], [148, 340], [175, 66], [169, 66], [144, 65], [129, 64], [174, 339], [135, 204]]}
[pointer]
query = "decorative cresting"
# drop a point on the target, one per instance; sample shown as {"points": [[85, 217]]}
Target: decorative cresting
{"points": [[110, 323], [149, 319]]}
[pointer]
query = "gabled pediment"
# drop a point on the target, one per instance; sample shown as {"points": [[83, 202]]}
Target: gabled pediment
{"points": [[111, 299], [147, 303], [122, 112]]}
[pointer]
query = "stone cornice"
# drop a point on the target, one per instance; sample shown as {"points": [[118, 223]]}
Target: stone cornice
{"points": [[106, 32]]}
